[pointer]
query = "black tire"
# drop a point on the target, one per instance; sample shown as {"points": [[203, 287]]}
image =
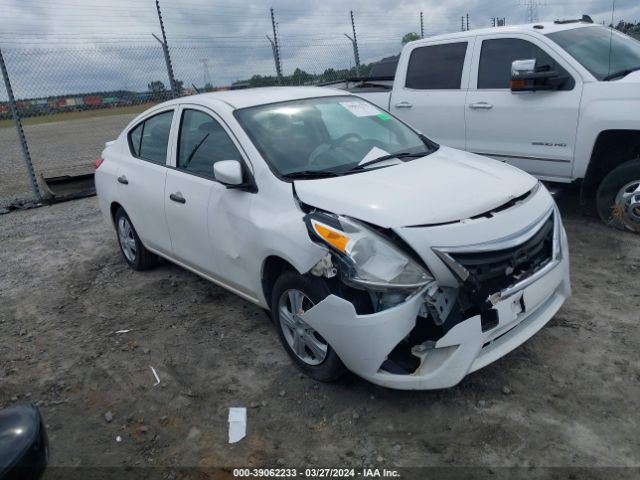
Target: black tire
{"points": [[316, 290], [143, 259], [610, 211]]}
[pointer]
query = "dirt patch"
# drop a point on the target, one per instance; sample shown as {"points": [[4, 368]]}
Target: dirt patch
{"points": [[568, 397]]}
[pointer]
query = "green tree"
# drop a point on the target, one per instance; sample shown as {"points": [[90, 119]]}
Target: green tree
{"points": [[157, 87], [410, 37]]}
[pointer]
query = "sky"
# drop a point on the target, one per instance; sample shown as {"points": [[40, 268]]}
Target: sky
{"points": [[55, 47]]}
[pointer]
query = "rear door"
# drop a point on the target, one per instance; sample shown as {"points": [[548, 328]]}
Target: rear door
{"points": [[535, 131], [142, 178], [430, 88]]}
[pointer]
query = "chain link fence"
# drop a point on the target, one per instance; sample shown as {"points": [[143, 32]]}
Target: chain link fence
{"points": [[71, 100]]}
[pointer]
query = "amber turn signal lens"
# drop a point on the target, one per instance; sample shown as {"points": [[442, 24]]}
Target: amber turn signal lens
{"points": [[331, 236]]}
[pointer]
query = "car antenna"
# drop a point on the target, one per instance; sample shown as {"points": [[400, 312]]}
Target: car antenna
{"points": [[195, 88]]}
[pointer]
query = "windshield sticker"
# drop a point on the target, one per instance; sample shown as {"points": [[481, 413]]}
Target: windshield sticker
{"points": [[374, 153], [384, 116], [361, 109]]}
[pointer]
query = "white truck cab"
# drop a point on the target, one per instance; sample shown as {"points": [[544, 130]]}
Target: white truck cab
{"points": [[561, 100]]}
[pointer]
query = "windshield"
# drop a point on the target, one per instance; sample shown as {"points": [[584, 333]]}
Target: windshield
{"points": [[600, 50], [332, 135]]}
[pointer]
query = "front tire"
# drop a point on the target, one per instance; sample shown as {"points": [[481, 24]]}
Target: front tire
{"points": [[131, 247], [618, 197], [293, 294]]}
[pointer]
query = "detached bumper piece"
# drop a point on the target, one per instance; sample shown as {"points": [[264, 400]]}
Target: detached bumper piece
{"points": [[407, 347]]}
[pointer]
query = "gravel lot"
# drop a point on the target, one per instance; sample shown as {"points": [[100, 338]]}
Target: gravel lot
{"points": [[62, 148], [569, 397]]}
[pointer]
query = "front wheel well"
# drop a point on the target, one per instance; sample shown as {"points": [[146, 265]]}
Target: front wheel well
{"points": [[612, 148], [272, 268]]}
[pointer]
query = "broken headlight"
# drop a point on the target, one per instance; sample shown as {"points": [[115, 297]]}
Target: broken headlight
{"points": [[367, 259]]}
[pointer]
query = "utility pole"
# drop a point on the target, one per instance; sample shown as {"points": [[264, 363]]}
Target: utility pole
{"points": [[23, 140], [467, 22], [493, 21], [275, 46], [462, 23], [354, 42], [206, 75], [165, 49], [421, 26], [532, 10]]}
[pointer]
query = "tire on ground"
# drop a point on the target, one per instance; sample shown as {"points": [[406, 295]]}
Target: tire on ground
{"points": [[332, 368], [144, 259], [611, 213]]}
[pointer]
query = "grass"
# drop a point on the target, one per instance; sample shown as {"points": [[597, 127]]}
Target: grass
{"points": [[65, 116]]}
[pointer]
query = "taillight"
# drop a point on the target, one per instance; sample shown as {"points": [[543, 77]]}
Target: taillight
{"points": [[97, 162]]}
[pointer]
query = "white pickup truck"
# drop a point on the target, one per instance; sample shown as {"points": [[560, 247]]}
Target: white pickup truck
{"points": [[560, 100]]}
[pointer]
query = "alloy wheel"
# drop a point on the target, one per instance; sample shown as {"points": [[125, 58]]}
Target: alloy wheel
{"points": [[126, 239], [307, 344]]}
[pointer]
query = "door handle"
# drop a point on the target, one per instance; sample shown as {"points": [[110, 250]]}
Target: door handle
{"points": [[481, 106], [177, 197], [403, 105], [123, 180]]}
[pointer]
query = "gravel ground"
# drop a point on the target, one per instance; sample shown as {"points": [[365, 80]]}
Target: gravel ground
{"points": [[57, 149], [567, 398]]}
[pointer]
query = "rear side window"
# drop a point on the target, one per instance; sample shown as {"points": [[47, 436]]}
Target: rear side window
{"points": [[498, 54], [203, 142], [437, 67], [149, 140]]}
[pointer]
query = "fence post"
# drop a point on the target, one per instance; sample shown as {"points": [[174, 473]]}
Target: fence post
{"points": [[23, 140], [356, 54], [165, 49], [275, 45]]}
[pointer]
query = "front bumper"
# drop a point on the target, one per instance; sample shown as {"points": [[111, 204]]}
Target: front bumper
{"points": [[363, 342]]}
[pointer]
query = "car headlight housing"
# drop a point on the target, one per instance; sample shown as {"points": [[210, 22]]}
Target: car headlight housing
{"points": [[368, 260]]}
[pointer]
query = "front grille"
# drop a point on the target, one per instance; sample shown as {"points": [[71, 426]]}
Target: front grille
{"points": [[499, 269]]}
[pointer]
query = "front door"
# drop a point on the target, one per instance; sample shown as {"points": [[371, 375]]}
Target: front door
{"points": [[202, 213], [535, 131]]}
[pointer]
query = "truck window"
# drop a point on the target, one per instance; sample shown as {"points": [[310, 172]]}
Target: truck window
{"points": [[436, 67], [498, 54]]}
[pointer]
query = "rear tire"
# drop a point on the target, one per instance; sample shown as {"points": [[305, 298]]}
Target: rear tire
{"points": [[618, 197], [293, 294], [131, 247]]}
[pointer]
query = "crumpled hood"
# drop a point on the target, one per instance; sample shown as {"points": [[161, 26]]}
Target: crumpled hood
{"points": [[445, 186]]}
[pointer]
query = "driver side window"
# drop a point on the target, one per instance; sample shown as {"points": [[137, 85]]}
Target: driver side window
{"points": [[203, 142]]}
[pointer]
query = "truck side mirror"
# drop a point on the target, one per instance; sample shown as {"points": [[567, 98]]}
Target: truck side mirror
{"points": [[527, 76]]}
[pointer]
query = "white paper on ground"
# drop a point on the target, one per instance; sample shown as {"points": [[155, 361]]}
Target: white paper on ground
{"points": [[375, 152], [360, 108], [237, 424]]}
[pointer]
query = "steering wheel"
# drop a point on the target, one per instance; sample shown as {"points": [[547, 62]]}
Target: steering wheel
{"points": [[325, 147]]}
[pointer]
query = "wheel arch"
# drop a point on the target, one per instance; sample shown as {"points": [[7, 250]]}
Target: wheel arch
{"points": [[611, 149], [272, 267], [113, 209]]}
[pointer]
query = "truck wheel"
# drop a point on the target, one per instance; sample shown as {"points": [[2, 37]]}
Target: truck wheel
{"points": [[293, 294], [618, 197], [133, 251]]}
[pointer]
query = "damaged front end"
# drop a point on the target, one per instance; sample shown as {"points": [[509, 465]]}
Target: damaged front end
{"points": [[392, 322]]}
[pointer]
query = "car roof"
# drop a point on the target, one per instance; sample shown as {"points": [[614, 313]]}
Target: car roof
{"points": [[541, 28], [251, 97]]}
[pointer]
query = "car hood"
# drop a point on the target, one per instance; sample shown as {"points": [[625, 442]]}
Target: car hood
{"points": [[633, 77], [446, 186]]}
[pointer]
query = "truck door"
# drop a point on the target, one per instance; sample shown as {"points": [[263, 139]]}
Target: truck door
{"points": [[535, 131], [430, 88]]}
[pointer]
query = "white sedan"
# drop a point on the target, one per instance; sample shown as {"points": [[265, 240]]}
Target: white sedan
{"points": [[376, 250]]}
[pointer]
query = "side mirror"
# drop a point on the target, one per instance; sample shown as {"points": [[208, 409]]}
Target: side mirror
{"points": [[23, 443], [228, 172], [527, 76]]}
